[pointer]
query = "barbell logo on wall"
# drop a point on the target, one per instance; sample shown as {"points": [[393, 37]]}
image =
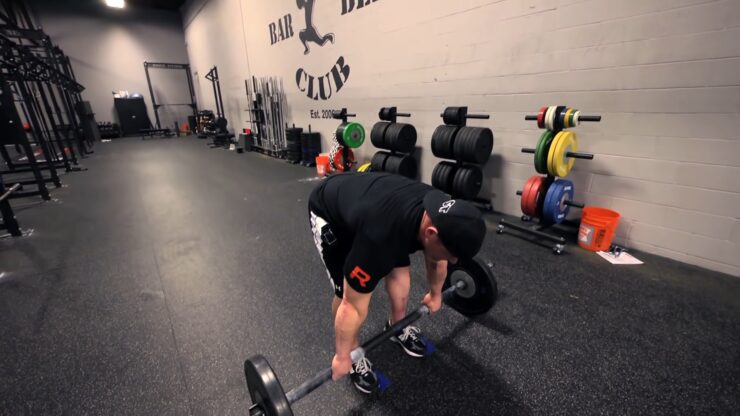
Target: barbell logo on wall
{"points": [[320, 87]]}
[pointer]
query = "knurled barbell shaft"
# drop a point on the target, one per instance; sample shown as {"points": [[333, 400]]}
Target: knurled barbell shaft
{"points": [[9, 191], [325, 375]]}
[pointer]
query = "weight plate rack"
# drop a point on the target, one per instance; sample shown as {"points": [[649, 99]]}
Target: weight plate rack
{"points": [[467, 149], [400, 141], [549, 198]]}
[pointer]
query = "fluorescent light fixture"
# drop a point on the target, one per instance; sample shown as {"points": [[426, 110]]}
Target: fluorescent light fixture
{"points": [[118, 4]]}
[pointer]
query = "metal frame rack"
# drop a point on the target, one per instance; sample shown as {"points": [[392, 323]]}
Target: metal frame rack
{"points": [[555, 125], [166, 65]]}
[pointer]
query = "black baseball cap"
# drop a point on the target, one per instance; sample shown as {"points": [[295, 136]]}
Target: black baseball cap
{"points": [[460, 224]]}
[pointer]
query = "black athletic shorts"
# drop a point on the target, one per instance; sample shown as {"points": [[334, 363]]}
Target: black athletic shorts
{"points": [[333, 252]]}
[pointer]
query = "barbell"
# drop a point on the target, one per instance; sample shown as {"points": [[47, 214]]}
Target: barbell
{"points": [[470, 288]]}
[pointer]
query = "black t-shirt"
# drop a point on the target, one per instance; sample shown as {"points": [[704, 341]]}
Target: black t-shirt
{"points": [[378, 216]]}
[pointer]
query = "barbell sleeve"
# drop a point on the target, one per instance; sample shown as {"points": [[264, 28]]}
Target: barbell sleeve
{"points": [[527, 150], [519, 193], [324, 376], [403, 114], [578, 155], [480, 116]]}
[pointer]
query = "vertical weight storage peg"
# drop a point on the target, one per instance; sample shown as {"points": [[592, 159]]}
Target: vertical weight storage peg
{"points": [[457, 116], [390, 114], [559, 117]]}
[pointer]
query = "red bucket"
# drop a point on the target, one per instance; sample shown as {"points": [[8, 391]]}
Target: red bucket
{"points": [[598, 226], [322, 165]]}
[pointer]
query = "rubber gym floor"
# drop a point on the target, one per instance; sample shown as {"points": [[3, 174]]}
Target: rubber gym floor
{"points": [[155, 274]]}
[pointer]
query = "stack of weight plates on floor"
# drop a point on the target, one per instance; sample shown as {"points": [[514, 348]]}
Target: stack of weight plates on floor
{"points": [[468, 147], [400, 140], [310, 148], [293, 137]]}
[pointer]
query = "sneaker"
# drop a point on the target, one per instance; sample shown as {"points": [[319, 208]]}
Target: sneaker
{"points": [[409, 339], [363, 377]]}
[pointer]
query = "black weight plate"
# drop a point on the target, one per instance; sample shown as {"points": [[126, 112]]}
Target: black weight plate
{"points": [[471, 147], [442, 141], [473, 181], [392, 164], [377, 134], [437, 181], [464, 179], [449, 177], [401, 137], [483, 146], [407, 167], [486, 289], [437, 148], [459, 149], [386, 113], [378, 161], [442, 180], [457, 181], [264, 387], [559, 113], [451, 142], [454, 115], [391, 136]]}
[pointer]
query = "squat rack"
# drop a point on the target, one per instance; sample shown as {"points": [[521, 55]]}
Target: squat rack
{"points": [[191, 89]]}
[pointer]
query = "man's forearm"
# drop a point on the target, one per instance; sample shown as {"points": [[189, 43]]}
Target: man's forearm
{"points": [[347, 327], [436, 275]]}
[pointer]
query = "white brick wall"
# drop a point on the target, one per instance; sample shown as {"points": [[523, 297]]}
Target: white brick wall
{"points": [[665, 75]]}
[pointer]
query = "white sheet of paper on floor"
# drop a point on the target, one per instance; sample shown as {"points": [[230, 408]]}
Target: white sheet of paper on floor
{"points": [[624, 258]]}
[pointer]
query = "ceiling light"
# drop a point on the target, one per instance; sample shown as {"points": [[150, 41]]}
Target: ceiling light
{"points": [[115, 3]]}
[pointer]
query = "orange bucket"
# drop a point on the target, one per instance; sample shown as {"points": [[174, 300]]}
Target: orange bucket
{"points": [[598, 226], [322, 165]]}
